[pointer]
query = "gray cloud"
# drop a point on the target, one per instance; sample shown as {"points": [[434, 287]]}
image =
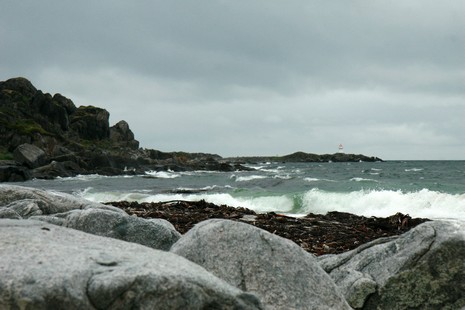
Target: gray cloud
{"points": [[254, 77]]}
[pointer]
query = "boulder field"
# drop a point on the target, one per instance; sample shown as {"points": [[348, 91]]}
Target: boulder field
{"points": [[62, 252]]}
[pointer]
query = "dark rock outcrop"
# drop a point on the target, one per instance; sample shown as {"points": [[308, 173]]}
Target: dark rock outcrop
{"points": [[90, 123], [120, 134], [76, 140], [12, 172]]}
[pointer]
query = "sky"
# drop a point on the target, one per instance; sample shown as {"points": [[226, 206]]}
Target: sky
{"points": [[257, 77]]}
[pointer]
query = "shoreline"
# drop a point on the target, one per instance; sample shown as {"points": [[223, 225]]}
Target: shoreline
{"points": [[332, 233]]}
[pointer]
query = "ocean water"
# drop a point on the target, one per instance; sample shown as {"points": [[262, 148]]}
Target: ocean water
{"points": [[431, 189]]}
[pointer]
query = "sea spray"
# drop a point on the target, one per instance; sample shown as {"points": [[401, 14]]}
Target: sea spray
{"points": [[382, 203]]}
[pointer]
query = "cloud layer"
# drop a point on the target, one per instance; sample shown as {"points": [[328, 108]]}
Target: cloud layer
{"points": [[384, 78]]}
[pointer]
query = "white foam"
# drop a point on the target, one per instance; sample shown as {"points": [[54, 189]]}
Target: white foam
{"points": [[250, 178], [162, 174], [91, 177], [362, 180], [283, 177], [258, 204], [194, 189], [311, 179], [424, 203], [413, 169]]}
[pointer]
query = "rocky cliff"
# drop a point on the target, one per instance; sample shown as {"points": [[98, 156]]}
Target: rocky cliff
{"points": [[45, 136]]}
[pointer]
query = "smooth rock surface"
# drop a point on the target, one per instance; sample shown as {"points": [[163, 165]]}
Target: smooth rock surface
{"points": [[73, 212], [43, 266], [30, 155], [41, 202], [281, 273], [155, 233], [421, 269]]}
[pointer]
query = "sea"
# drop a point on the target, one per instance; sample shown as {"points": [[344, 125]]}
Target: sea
{"points": [[427, 189]]}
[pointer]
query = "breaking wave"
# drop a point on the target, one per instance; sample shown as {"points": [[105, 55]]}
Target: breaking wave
{"points": [[424, 203]]}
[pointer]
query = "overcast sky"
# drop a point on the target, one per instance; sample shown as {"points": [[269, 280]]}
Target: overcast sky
{"points": [[231, 77]]}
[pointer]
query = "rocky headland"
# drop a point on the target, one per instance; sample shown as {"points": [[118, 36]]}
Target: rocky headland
{"points": [[58, 251], [45, 136]]}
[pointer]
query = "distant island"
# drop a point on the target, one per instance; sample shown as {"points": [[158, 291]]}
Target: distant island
{"points": [[44, 136], [302, 157]]}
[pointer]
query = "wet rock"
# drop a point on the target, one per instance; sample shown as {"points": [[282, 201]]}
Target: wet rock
{"points": [[44, 266], [421, 269], [281, 273], [11, 172], [57, 169]]}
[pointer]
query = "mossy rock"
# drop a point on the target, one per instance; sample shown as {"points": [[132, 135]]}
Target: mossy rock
{"points": [[5, 155], [29, 127]]}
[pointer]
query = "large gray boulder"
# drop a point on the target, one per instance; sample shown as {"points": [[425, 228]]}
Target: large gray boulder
{"points": [[28, 201], [421, 269], [155, 233], [77, 213], [281, 273], [43, 266], [30, 155]]}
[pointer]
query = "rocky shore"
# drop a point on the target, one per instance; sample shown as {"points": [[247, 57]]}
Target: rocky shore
{"points": [[63, 252], [44, 136]]}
